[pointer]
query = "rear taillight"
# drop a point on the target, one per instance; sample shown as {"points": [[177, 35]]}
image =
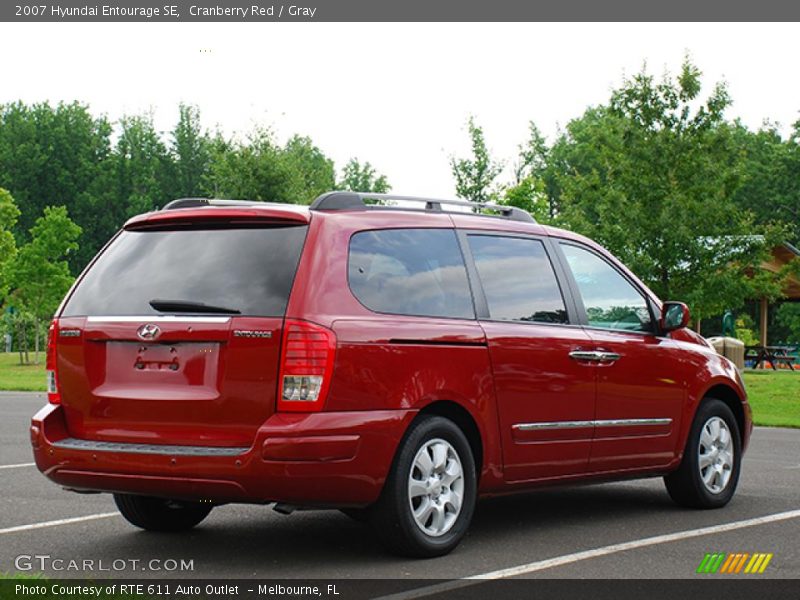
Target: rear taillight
{"points": [[306, 366], [53, 395]]}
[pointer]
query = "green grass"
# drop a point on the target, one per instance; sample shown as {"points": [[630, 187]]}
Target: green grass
{"points": [[774, 395], [16, 377]]}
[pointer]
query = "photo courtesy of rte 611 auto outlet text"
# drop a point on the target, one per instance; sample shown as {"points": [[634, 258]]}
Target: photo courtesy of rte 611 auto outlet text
{"points": [[394, 300]]}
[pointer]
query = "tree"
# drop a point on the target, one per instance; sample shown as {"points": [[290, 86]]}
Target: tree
{"points": [[254, 169], [771, 176], [143, 168], [529, 195], [190, 147], [475, 176], [9, 213], [536, 163], [787, 320], [362, 178], [40, 275], [55, 154], [311, 172], [651, 175], [63, 155]]}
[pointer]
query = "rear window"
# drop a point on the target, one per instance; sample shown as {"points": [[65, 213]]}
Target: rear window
{"points": [[249, 270], [417, 272]]}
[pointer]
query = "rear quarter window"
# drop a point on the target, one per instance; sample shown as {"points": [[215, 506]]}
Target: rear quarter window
{"points": [[418, 272], [250, 270]]}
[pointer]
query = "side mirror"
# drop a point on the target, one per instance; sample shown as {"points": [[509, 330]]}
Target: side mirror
{"points": [[674, 315]]}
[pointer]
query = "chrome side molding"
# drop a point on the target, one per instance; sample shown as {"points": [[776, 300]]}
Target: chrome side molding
{"points": [[598, 423]]}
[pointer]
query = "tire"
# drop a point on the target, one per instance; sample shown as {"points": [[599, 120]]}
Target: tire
{"points": [[159, 514], [712, 485], [444, 491]]}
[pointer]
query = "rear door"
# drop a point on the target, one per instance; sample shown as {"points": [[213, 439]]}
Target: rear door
{"points": [[173, 334], [545, 393]]}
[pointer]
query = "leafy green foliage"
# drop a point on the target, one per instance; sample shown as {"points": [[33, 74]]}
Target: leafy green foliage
{"points": [[788, 318], [362, 178], [63, 155], [48, 154], [745, 331], [771, 176], [190, 148], [260, 169], [53, 154], [651, 175], [311, 172], [476, 176], [40, 274], [529, 194], [142, 166], [9, 213], [252, 170]]}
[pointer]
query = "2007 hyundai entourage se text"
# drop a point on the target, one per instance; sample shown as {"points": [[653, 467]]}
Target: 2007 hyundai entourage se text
{"points": [[389, 356]]}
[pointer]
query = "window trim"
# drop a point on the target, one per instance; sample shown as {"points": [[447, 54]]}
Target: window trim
{"points": [[464, 261], [482, 304], [578, 298]]}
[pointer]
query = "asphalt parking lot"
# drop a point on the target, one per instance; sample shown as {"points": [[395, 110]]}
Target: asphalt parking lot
{"points": [[571, 532]]}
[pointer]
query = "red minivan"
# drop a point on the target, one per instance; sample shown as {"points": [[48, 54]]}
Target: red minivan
{"points": [[393, 357]]}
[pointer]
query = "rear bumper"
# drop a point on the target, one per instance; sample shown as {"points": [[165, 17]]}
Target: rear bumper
{"points": [[320, 459]]}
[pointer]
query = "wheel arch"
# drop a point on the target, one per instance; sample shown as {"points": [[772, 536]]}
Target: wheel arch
{"points": [[459, 415], [731, 398]]}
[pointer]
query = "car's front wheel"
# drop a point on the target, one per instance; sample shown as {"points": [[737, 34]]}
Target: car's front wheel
{"points": [[160, 514], [709, 472], [429, 497]]}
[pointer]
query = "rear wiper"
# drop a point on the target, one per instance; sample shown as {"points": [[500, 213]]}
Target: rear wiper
{"points": [[189, 306]]}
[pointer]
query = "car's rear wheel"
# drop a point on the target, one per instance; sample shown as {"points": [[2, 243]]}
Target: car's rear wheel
{"points": [[429, 497], [160, 514], [709, 472]]}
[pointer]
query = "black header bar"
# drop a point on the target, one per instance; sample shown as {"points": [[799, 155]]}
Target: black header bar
{"points": [[398, 10]]}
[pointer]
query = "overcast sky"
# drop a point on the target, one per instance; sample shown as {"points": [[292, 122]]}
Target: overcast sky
{"points": [[397, 95]]}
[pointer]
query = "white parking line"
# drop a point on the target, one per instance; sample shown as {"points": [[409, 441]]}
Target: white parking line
{"points": [[566, 559], [17, 466], [44, 524]]}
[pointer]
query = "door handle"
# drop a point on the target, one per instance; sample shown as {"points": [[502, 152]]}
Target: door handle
{"points": [[596, 356], [588, 355], [607, 357]]}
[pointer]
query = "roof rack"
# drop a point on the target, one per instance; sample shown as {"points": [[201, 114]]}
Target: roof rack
{"points": [[357, 201]]}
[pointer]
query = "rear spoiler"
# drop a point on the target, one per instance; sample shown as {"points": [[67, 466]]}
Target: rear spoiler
{"points": [[205, 211]]}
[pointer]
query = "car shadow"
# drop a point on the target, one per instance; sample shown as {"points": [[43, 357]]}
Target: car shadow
{"points": [[250, 541]]}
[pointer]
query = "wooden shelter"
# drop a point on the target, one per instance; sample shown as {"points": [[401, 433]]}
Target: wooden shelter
{"points": [[781, 256]]}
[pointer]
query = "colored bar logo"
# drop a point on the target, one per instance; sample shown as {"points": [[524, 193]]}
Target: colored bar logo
{"points": [[734, 563]]}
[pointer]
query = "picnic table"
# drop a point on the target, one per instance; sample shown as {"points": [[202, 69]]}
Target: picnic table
{"points": [[774, 354]]}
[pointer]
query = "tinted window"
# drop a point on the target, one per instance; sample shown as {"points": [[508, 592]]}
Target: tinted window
{"points": [[518, 279], [410, 272], [249, 270], [610, 300]]}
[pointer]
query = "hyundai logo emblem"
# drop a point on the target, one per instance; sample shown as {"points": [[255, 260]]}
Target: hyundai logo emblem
{"points": [[149, 331]]}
